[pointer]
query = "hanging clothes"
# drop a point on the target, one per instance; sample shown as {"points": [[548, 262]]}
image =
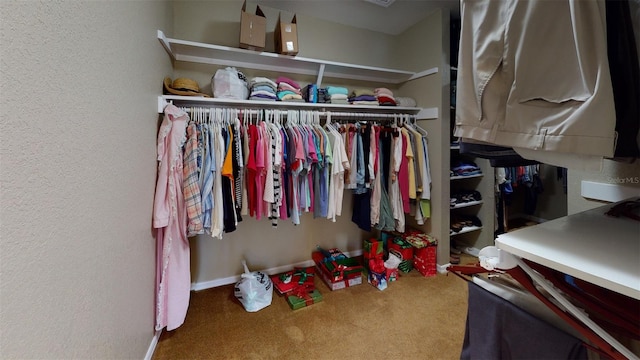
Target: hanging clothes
{"points": [[173, 280]]}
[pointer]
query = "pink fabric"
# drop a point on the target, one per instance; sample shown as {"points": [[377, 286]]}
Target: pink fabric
{"points": [[260, 166], [403, 176], [283, 79], [170, 219]]}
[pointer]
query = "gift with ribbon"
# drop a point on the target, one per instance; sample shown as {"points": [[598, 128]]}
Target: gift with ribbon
{"points": [[424, 255], [338, 273], [372, 249], [299, 276], [302, 296]]}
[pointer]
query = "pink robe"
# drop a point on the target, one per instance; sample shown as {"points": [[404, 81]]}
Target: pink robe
{"points": [[173, 278]]}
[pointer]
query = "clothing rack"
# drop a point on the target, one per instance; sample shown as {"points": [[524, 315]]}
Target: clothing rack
{"points": [[333, 115], [342, 109]]}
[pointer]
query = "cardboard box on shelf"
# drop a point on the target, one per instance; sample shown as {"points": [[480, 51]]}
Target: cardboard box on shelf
{"points": [[253, 29], [286, 37]]}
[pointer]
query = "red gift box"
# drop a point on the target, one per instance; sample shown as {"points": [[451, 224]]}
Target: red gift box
{"points": [[338, 274], [425, 260], [290, 280], [424, 256], [372, 249]]}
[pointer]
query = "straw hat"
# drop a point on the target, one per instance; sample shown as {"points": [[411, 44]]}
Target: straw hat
{"points": [[182, 86]]}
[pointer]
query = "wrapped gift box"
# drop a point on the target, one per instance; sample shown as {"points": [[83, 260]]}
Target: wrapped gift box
{"points": [[425, 261], [340, 273], [419, 239], [372, 249], [287, 281], [424, 256], [301, 297], [405, 249]]}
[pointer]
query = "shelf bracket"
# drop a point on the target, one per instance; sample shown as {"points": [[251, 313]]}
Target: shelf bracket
{"points": [[320, 75]]}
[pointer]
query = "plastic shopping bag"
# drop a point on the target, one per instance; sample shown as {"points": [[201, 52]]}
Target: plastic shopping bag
{"points": [[254, 290], [227, 83]]}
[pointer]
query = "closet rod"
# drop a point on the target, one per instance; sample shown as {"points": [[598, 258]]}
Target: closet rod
{"points": [[335, 114]]}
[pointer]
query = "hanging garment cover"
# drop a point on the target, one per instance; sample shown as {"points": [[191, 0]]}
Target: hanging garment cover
{"points": [[170, 220], [511, 88]]}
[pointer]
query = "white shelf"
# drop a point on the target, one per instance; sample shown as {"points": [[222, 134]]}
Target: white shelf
{"points": [[182, 50], [467, 204], [590, 245], [466, 177], [466, 229]]}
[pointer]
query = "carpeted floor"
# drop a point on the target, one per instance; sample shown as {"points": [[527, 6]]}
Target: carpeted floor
{"points": [[414, 318]]}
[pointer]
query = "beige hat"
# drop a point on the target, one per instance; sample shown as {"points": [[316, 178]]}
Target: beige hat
{"points": [[182, 86]]}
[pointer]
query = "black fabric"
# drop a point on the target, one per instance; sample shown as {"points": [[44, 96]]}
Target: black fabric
{"points": [[366, 140], [498, 156], [497, 329], [228, 208], [625, 76], [361, 214], [385, 142]]}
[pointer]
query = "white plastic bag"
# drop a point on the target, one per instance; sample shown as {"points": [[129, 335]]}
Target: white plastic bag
{"points": [[226, 84], [254, 290]]}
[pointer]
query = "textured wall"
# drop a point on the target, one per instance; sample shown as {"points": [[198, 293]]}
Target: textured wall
{"points": [[79, 82]]}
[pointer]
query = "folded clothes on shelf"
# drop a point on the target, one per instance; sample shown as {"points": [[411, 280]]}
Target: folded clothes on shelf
{"points": [[464, 167]]}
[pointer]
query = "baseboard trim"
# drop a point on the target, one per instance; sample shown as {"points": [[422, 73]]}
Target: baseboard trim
{"points": [[152, 346], [203, 285], [442, 269]]}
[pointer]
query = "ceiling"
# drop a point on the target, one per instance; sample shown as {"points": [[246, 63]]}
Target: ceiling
{"points": [[394, 19]]}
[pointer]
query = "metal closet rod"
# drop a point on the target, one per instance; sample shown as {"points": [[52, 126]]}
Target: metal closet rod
{"points": [[334, 114]]}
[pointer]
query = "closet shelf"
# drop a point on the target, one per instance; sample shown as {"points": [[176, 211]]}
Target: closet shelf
{"points": [[466, 204], [467, 229], [465, 177], [419, 113], [182, 50]]}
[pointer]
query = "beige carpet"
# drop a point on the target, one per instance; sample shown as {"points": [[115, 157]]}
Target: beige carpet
{"points": [[414, 318]]}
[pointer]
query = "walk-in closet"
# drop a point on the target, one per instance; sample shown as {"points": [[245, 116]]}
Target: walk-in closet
{"points": [[112, 122]]}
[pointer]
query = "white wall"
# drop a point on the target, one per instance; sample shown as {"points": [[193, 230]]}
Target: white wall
{"points": [[79, 82], [622, 173]]}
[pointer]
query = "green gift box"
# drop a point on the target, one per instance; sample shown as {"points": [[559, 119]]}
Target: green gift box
{"points": [[302, 297], [372, 249]]}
